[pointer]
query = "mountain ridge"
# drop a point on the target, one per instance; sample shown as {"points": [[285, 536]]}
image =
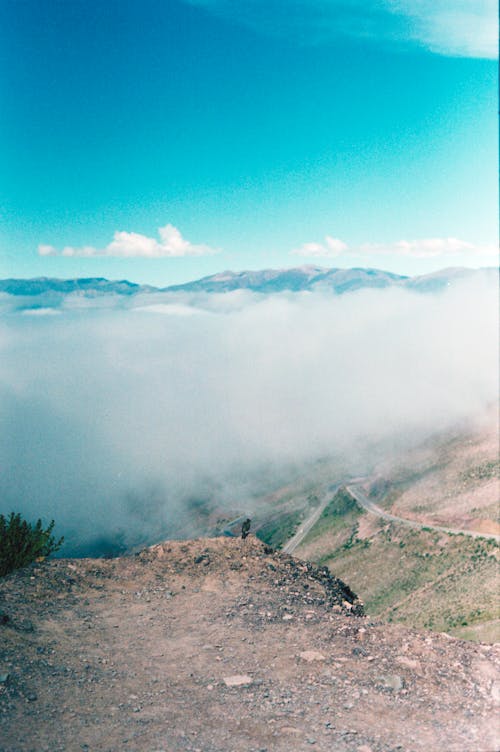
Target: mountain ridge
{"points": [[267, 281]]}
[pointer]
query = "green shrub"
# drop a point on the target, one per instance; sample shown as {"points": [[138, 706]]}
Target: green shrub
{"points": [[22, 543]]}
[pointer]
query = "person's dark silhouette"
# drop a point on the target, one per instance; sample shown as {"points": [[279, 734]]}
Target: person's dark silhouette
{"points": [[245, 528]]}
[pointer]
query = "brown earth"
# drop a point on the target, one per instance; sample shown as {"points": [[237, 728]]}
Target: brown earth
{"points": [[452, 482], [223, 645]]}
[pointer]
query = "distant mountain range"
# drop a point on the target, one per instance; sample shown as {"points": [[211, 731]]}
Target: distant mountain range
{"points": [[90, 286], [266, 281], [295, 280]]}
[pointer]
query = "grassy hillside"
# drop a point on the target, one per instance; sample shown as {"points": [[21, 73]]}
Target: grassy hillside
{"points": [[276, 531], [420, 578]]}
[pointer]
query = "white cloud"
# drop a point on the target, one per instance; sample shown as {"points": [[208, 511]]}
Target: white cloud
{"points": [[331, 248], [426, 247], [46, 250], [170, 309], [135, 245], [420, 248], [462, 28], [228, 404], [41, 312]]}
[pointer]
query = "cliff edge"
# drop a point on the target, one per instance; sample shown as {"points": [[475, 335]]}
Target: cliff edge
{"points": [[224, 645]]}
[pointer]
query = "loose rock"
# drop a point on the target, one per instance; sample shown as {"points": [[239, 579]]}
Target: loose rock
{"points": [[311, 655], [238, 680]]}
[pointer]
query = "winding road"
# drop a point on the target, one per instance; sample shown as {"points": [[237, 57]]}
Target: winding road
{"points": [[306, 526], [369, 506], [372, 508]]}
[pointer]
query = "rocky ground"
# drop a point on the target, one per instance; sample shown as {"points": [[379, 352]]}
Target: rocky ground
{"points": [[223, 645]]}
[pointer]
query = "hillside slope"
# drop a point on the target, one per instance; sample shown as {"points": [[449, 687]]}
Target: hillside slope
{"points": [[222, 645], [424, 578]]}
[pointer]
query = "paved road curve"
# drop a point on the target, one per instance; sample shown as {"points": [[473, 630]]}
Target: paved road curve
{"points": [[306, 526]]}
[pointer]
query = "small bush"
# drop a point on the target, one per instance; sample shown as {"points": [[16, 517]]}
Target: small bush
{"points": [[22, 543]]}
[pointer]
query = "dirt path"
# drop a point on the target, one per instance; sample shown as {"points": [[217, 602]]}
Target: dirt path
{"points": [[225, 645], [365, 502]]}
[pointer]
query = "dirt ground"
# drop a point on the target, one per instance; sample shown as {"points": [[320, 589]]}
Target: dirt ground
{"points": [[223, 645], [452, 483]]}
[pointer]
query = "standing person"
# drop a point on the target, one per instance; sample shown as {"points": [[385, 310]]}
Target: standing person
{"points": [[245, 528]]}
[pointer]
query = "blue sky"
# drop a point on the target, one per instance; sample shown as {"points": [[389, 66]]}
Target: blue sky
{"points": [[162, 140]]}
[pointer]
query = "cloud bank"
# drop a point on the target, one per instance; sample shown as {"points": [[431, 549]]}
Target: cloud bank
{"points": [[458, 28], [420, 248], [135, 245], [119, 423]]}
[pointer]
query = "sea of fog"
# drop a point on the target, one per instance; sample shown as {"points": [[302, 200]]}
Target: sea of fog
{"points": [[115, 421]]}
